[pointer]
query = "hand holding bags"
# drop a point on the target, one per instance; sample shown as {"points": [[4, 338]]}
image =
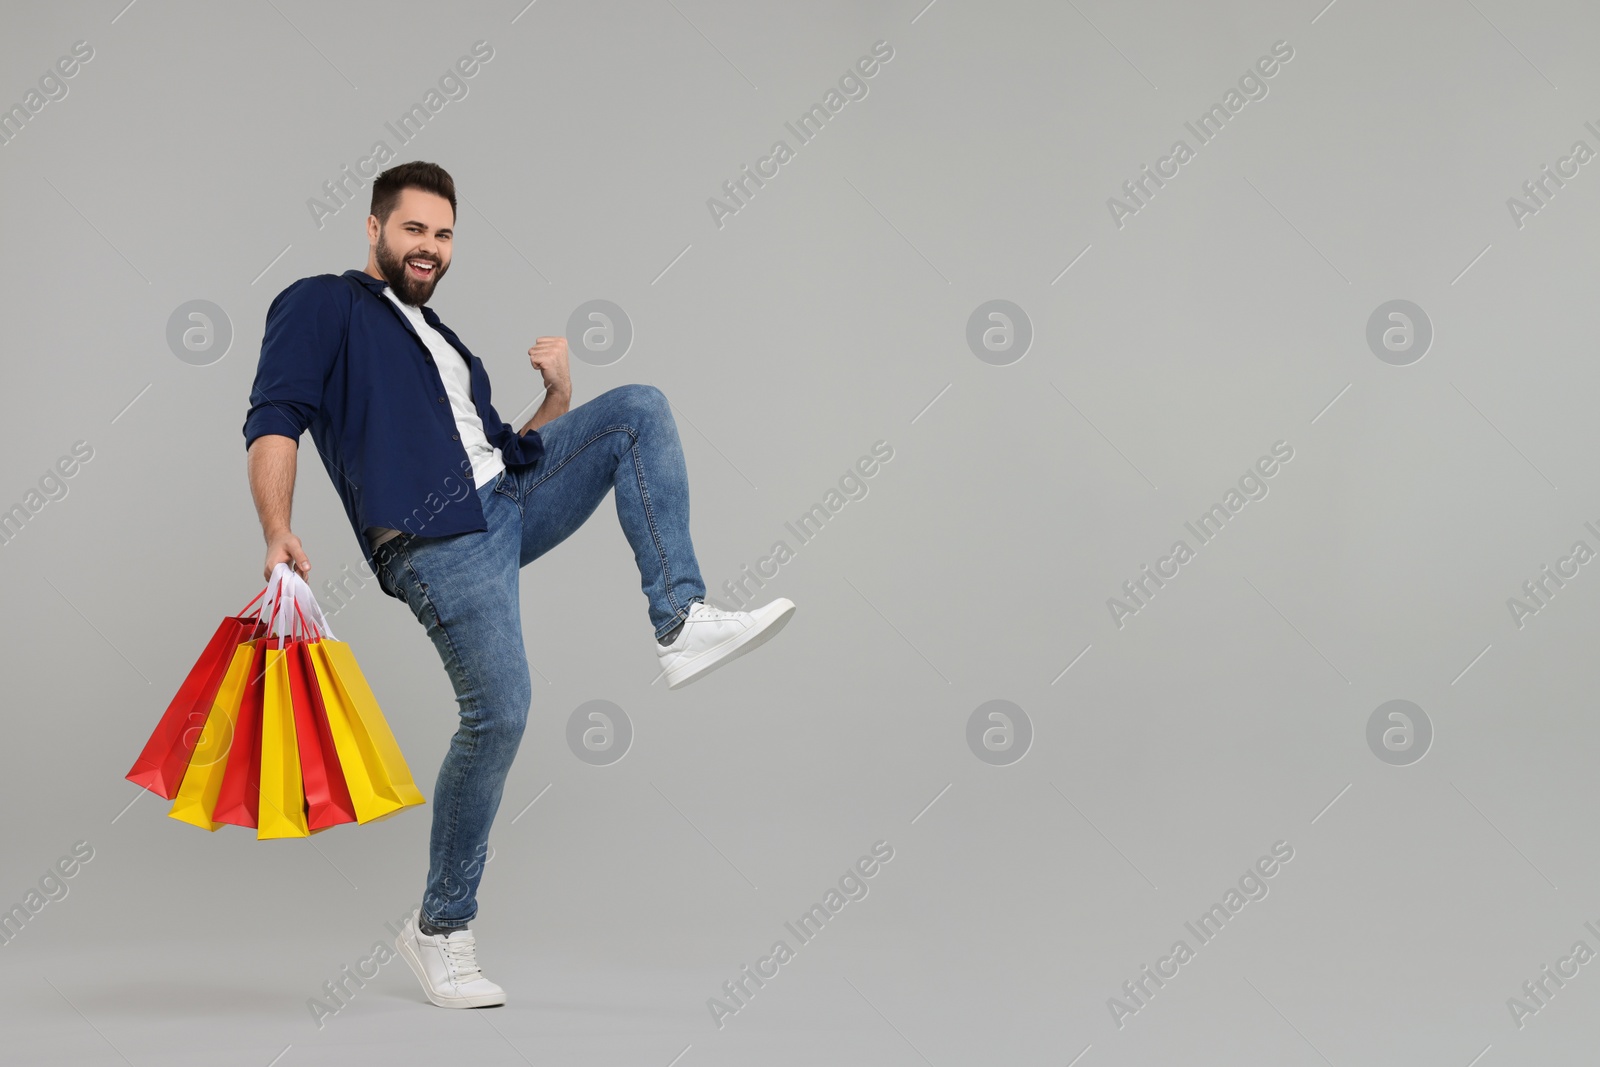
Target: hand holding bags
{"points": [[276, 728]]}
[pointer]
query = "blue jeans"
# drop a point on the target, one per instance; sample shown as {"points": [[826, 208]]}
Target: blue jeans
{"points": [[463, 588]]}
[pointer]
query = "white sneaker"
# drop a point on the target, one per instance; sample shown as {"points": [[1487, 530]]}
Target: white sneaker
{"points": [[447, 966], [711, 637]]}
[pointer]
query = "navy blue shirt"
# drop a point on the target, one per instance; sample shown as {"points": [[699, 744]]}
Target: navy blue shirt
{"points": [[338, 358]]}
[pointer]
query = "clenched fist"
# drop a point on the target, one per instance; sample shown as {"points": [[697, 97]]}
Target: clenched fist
{"points": [[549, 357]]}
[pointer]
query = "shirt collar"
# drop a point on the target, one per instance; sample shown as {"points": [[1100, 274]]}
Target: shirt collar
{"points": [[375, 284]]}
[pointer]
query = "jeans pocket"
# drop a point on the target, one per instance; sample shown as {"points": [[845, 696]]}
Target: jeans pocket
{"points": [[386, 558], [381, 572]]}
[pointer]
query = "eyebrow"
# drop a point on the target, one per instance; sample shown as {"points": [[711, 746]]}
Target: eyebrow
{"points": [[424, 225]]}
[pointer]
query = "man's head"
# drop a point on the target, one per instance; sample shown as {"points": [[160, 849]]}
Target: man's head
{"points": [[409, 231]]}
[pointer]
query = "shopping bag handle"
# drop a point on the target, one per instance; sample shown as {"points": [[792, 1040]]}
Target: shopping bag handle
{"points": [[240, 614], [285, 582], [279, 621], [308, 630], [272, 605]]}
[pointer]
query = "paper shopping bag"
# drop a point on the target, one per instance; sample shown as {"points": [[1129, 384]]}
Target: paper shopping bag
{"points": [[379, 781], [161, 765], [277, 729], [282, 809], [327, 796], [197, 795], [239, 795]]}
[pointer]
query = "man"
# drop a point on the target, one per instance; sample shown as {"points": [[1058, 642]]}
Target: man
{"points": [[449, 503]]}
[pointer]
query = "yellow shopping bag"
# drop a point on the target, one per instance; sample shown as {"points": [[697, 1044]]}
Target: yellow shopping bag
{"points": [[197, 796], [283, 799], [379, 781]]}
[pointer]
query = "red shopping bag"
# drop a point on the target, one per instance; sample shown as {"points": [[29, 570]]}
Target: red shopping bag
{"points": [[292, 743], [166, 754], [239, 797], [327, 796]]}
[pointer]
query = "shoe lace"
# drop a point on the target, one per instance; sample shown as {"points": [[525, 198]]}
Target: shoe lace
{"points": [[707, 612], [461, 955]]}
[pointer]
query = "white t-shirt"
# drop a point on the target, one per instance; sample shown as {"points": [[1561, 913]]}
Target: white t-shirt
{"points": [[457, 377]]}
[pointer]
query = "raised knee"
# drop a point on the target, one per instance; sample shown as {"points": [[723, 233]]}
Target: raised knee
{"points": [[646, 397]]}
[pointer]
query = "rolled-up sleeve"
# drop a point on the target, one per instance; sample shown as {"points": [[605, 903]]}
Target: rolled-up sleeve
{"points": [[305, 330]]}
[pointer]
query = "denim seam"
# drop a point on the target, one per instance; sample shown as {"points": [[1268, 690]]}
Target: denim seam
{"points": [[655, 536], [422, 594]]}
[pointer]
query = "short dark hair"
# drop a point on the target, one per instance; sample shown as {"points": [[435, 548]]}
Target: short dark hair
{"points": [[429, 177]]}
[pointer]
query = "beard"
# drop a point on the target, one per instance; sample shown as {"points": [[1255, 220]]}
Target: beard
{"points": [[413, 291]]}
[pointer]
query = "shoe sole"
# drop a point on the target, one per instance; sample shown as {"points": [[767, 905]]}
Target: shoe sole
{"points": [[487, 1000], [736, 646]]}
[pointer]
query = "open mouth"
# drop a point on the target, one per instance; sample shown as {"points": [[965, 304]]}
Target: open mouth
{"points": [[420, 268]]}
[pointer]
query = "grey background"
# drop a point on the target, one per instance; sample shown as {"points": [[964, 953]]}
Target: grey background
{"points": [[1231, 713]]}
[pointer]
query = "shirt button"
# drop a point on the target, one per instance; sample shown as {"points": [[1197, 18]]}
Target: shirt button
{"points": [[441, 400], [455, 437]]}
